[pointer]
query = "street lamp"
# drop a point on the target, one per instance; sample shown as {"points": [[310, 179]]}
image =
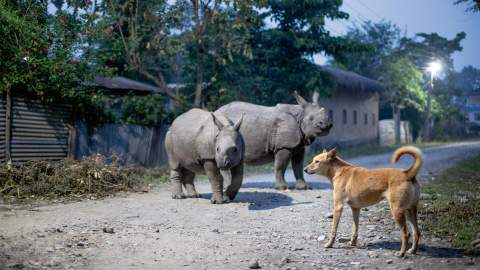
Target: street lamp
{"points": [[434, 68]]}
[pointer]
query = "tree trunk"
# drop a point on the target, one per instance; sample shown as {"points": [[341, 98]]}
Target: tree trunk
{"points": [[199, 51], [396, 120], [199, 80]]}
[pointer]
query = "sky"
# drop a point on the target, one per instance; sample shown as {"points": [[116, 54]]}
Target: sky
{"points": [[416, 16]]}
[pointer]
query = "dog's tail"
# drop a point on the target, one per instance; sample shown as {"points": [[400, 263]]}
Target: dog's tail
{"points": [[417, 155]]}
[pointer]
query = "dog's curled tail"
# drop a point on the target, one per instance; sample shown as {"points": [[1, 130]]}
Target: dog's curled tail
{"points": [[417, 155]]}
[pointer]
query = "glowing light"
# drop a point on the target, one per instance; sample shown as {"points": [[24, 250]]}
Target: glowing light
{"points": [[434, 67]]}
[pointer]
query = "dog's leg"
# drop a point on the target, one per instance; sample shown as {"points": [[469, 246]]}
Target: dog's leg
{"points": [[412, 218], [337, 213], [399, 216], [356, 216]]}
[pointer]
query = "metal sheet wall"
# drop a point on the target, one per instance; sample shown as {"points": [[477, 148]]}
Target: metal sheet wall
{"points": [[2, 130], [39, 132]]}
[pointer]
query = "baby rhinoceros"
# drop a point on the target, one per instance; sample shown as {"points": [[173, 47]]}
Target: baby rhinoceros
{"points": [[200, 142]]}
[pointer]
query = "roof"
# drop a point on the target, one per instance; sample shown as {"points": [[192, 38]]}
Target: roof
{"points": [[122, 83], [351, 81]]}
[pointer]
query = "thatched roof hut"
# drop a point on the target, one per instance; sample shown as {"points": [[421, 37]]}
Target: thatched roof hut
{"points": [[351, 81]]}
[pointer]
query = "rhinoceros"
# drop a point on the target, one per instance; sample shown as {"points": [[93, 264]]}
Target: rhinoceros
{"points": [[201, 142], [280, 134]]}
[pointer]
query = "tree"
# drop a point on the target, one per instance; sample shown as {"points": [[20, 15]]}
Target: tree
{"points": [[402, 80], [425, 48], [468, 80], [473, 5], [143, 35], [283, 43], [382, 39]]}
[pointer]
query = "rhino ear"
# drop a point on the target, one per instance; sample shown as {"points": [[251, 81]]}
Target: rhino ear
{"points": [[217, 122], [300, 100], [315, 97], [239, 123]]}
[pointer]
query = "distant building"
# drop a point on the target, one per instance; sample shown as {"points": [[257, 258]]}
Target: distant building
{"points": [[354, 109], [472, 112]]}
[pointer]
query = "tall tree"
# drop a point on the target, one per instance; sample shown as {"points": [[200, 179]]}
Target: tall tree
{"points": [[283, 43], [473, 5], [144, 35], [218, 30], [403, 82], [382, 38], [425, 48]]}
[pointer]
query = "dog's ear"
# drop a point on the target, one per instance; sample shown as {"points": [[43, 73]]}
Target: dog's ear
{"points": [[332, 153], [324, 150]]}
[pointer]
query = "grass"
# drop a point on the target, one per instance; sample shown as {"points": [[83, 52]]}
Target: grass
{"points": [[452, 210]]}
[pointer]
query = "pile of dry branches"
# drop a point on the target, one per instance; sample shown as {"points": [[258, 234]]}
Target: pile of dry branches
{"points": [[90, 177]]}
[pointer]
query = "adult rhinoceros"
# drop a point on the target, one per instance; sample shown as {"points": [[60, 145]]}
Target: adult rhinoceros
{"points": [[205, 143], [280, 134]]}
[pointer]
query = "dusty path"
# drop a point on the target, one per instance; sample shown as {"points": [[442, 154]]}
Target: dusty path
{"points": [[282, 230]]}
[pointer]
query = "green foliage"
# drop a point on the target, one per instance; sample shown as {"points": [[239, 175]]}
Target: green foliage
{"points": [[468, 80], [283, 44], [403, 80], [47, 56], [145, 110], [473, 5]]}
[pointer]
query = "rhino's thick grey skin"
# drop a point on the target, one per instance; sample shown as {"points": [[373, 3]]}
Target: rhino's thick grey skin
{"points": [[200, 142], [280, 134]]}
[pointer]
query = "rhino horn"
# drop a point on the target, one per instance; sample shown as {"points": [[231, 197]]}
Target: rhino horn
{"points": [[315, 97], [300, 100], [238, 123], [217, 122]]}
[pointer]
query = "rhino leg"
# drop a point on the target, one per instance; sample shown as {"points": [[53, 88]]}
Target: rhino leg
{"points": [[237, 178], [188, 177], [216, 181], [282, 158], [176, 179], [297, 166]]}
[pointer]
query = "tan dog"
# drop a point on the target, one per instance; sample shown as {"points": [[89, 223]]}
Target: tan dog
{"points": [[359, 187]]}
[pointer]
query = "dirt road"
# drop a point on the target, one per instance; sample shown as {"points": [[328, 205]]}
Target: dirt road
{"points": [[282, 230]]}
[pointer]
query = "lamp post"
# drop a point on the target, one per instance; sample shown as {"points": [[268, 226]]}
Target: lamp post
{"points": [[434, 68]]}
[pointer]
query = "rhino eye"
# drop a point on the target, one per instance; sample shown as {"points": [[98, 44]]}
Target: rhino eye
{"points": [[311, 118], [218, 149]]}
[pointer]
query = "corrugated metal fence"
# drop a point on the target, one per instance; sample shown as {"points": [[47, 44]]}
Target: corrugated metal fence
{"points": [[37, 131], [132, 144], [42, 132], [2, 129]]}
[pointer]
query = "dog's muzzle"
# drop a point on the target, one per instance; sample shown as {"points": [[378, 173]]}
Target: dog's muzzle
{"points": [[307, 171]]}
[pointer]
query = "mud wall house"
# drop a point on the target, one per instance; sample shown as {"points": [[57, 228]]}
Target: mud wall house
{"points": [[131, 144], [472, 112], [354, 110]]}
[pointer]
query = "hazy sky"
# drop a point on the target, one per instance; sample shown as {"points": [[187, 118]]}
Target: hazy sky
{"points": [[440, 16]]}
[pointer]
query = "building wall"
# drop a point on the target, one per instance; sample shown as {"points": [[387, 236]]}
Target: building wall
{"points": [[472, 109], [345, 130], [387, 132]]}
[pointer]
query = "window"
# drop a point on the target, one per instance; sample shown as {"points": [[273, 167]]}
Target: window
{"points": [[365, 119], [477, 116], [344, 117], [354, 117], [330, 115], [373, 119]]}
